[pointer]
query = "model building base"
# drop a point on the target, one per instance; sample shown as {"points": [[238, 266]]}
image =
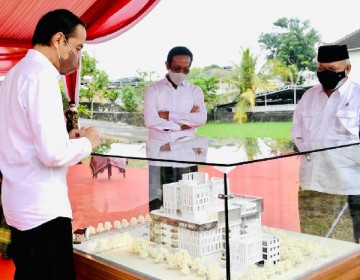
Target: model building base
{"points": [[302, 254]]}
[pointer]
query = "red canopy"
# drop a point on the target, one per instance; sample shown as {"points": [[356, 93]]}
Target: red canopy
{"points": [[105, 19]]}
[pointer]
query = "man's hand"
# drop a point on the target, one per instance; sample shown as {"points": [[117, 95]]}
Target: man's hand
{"points": [[197, 151], [165, 148], [93, 135], [82, 132], [195, 109], [74, 133], [184, 126], [164, 115]]}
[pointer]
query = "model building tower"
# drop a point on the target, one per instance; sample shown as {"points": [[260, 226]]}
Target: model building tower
{"points": [[193, 218], [193, 196], [271, 249]]}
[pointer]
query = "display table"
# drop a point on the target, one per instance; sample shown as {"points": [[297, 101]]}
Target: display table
{"points": [[89, 268], [99, 163], [343, 262]]}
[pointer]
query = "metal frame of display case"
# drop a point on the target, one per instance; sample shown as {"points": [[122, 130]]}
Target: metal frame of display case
{"points": [[92, 267]]}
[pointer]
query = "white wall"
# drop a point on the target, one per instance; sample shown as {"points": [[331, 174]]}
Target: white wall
{"points": [[355, 65]]}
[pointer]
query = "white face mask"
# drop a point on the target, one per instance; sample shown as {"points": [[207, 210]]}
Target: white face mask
{"points": [[176, 78], [72, 109]]}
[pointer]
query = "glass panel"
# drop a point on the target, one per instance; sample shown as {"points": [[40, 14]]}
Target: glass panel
{"points": [[215, 208], [285, 232]]}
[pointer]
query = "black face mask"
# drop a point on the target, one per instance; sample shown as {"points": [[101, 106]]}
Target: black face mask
{"points": [[329, 79]]}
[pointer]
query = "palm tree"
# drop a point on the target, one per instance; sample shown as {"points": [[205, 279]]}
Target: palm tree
{"points": [[246, 81]]}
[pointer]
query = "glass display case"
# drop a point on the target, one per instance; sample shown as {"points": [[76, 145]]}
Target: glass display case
{"points": [[201, 208]]}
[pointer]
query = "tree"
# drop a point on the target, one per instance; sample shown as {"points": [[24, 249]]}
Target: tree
{"points": [[195, 73], [246, 81], [276, 69], [209, 85], [97, 86], [112, 94], [129, 99], [145, 80], [293, 44], [99, 79], [88, 65]]}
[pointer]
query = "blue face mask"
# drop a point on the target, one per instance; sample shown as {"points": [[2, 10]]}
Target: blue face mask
{"points": [[330, 80]]}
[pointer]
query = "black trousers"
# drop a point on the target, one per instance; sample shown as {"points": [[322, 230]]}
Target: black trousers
{"points": [[354, 207], [159, 175], [44, 252]]}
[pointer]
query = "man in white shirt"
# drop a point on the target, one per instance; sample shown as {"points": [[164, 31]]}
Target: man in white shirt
{"points": [[328, 115], [173, 109], [35, 150]]}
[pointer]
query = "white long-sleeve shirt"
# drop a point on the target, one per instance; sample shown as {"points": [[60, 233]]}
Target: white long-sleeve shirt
{"points": [[162, 96], [35, 149], [322, 122], [337, 117]]}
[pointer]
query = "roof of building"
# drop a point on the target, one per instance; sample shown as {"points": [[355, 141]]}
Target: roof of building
{"points": [[352, 40], [281, 95]]}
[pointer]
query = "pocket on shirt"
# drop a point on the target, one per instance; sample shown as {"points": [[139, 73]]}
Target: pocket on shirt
{"points": [[308, 117], [346, 122]]}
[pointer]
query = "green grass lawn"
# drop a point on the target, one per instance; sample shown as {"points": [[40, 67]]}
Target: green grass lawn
{"points": [[276, 130], [319, 210]]}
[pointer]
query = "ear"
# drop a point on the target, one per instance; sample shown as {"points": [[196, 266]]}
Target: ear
{"points": [[167, 65], [347, 69], [56, 39]]}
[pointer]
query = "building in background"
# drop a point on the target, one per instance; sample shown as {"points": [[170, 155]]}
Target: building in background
{"points": [[353, 43]]}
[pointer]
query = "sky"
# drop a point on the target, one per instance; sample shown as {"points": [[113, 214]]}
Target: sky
{"points": [[215, 31]]}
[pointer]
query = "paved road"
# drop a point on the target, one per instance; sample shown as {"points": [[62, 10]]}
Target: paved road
{"points": [[117, 130]]}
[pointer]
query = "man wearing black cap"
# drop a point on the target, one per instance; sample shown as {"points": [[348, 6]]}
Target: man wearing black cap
{"points": [[328, 115], [72, 117]]}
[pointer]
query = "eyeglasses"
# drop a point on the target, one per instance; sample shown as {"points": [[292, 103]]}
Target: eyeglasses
{"points": [[177, 69], [78, 51], [67, 44]]}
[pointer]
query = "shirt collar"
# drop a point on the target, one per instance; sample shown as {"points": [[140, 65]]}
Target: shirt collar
{"points": [[344, 87], [39, 57]]}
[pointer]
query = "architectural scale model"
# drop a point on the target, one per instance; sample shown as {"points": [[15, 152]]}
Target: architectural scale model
{"points": [[193, 219]]}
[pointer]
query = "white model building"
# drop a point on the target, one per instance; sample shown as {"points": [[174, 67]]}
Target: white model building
{"points": [[193, 219]]}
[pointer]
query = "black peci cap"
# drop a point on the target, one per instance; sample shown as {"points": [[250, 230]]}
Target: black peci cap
{"points": [[332, 53]]}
